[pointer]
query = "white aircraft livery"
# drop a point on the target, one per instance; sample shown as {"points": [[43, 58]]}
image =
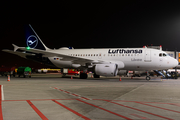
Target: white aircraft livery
{"points": [[103, 62]]}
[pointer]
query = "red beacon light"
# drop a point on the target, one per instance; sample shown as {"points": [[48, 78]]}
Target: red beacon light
{"points": [[144, 46]]}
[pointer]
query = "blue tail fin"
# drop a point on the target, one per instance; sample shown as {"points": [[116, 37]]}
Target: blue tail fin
{"points": [[33, 40]]}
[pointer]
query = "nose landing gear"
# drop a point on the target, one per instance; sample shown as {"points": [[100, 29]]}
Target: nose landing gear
{"points": [[148, 77]]}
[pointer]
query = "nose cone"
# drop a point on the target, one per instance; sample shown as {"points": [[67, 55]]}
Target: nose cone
{"points": [[176, 63]]}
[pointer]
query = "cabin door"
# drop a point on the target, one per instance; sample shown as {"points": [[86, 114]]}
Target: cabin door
{"points": [[147, 56]]}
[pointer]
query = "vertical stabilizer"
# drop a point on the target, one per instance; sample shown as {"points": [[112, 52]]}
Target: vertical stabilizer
{"points": [[33, 40]]}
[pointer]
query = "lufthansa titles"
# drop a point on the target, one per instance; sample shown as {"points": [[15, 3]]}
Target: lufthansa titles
{"points": [[124, 51]]}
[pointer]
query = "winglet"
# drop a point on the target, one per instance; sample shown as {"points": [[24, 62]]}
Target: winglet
{"points": [[15, 47]]}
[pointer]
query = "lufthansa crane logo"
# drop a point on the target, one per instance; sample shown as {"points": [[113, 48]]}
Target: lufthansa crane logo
{"points": [[32, 41]]}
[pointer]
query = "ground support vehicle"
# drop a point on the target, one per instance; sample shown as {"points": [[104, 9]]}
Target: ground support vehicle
{"points": [[24, 71], [4, 71], [66, 71]]}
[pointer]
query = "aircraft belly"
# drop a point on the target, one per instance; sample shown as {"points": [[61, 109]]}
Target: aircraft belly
{"points": [[139, 65], [61, 64]]}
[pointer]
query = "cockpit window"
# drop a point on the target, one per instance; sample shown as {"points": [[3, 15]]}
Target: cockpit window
{"points": [[160, 54], [164, 54]]}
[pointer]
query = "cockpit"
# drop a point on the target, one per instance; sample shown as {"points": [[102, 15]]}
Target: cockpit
{"points": [[162, 54]]}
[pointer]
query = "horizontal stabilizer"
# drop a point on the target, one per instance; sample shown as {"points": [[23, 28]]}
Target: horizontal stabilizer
{"points": [[15, 47], [21, 54]]}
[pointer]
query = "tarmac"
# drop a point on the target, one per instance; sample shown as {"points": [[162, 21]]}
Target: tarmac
{"points": [[51, 97]]}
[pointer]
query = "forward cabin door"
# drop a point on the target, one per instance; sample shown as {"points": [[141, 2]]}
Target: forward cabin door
{"points": [[147, 56]]}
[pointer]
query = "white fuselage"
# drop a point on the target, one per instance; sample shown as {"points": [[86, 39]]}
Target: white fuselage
{"points": [[132, 58]]}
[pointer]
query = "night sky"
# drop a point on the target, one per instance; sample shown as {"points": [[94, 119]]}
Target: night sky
{"points": [[90, 24]]}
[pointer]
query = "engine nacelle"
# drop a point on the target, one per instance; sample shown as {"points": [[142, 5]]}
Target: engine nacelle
{"points": [[106, 69]]}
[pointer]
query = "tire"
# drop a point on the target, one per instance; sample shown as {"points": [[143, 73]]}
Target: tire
{"points": [[96, 76], [83, 76], [148, 78]]}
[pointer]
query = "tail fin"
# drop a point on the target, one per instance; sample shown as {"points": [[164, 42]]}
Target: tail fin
{"points": [[33, 40]]}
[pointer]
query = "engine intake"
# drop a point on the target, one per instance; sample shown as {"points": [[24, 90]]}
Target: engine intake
{"points": [[106, 69]]}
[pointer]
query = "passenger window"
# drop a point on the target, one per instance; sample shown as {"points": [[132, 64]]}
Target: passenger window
{"points": [[160, 54]]}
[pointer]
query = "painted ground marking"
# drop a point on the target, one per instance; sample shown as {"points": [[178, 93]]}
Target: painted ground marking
{"points": [[1, 90], [72, 94], [105, 109], [36, 110], [139, 110], [158, 107], [80, 115]]}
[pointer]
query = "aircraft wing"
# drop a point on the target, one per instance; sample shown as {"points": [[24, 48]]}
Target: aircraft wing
{"points": [[21, 54], [53, 53]]}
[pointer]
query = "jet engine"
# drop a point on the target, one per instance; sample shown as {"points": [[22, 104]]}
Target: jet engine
{"points": [[106, 69]]}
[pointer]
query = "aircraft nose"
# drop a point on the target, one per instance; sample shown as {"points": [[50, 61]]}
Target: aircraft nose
{"points": [[175, 62]]}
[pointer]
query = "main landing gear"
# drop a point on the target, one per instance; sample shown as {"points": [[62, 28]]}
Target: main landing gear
{"points": [[96, 76], [83, 76]]}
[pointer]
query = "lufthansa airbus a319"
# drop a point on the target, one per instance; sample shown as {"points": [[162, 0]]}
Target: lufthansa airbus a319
{"points": [[103, 62]]}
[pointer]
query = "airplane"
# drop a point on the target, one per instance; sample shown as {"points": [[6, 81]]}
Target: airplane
{"points": [[103, 62]]}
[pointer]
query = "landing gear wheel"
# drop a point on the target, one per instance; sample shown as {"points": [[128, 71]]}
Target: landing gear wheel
{"points": [[83, 76], [148, 78], [96, 76]]}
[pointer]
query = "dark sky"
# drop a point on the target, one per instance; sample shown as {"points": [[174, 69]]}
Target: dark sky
{"points": [[90, 24]]}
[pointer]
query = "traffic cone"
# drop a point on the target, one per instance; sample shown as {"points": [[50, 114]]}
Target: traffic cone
{"points": [[120, 79], [71, 77], [8, 78], [131, 77]]}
